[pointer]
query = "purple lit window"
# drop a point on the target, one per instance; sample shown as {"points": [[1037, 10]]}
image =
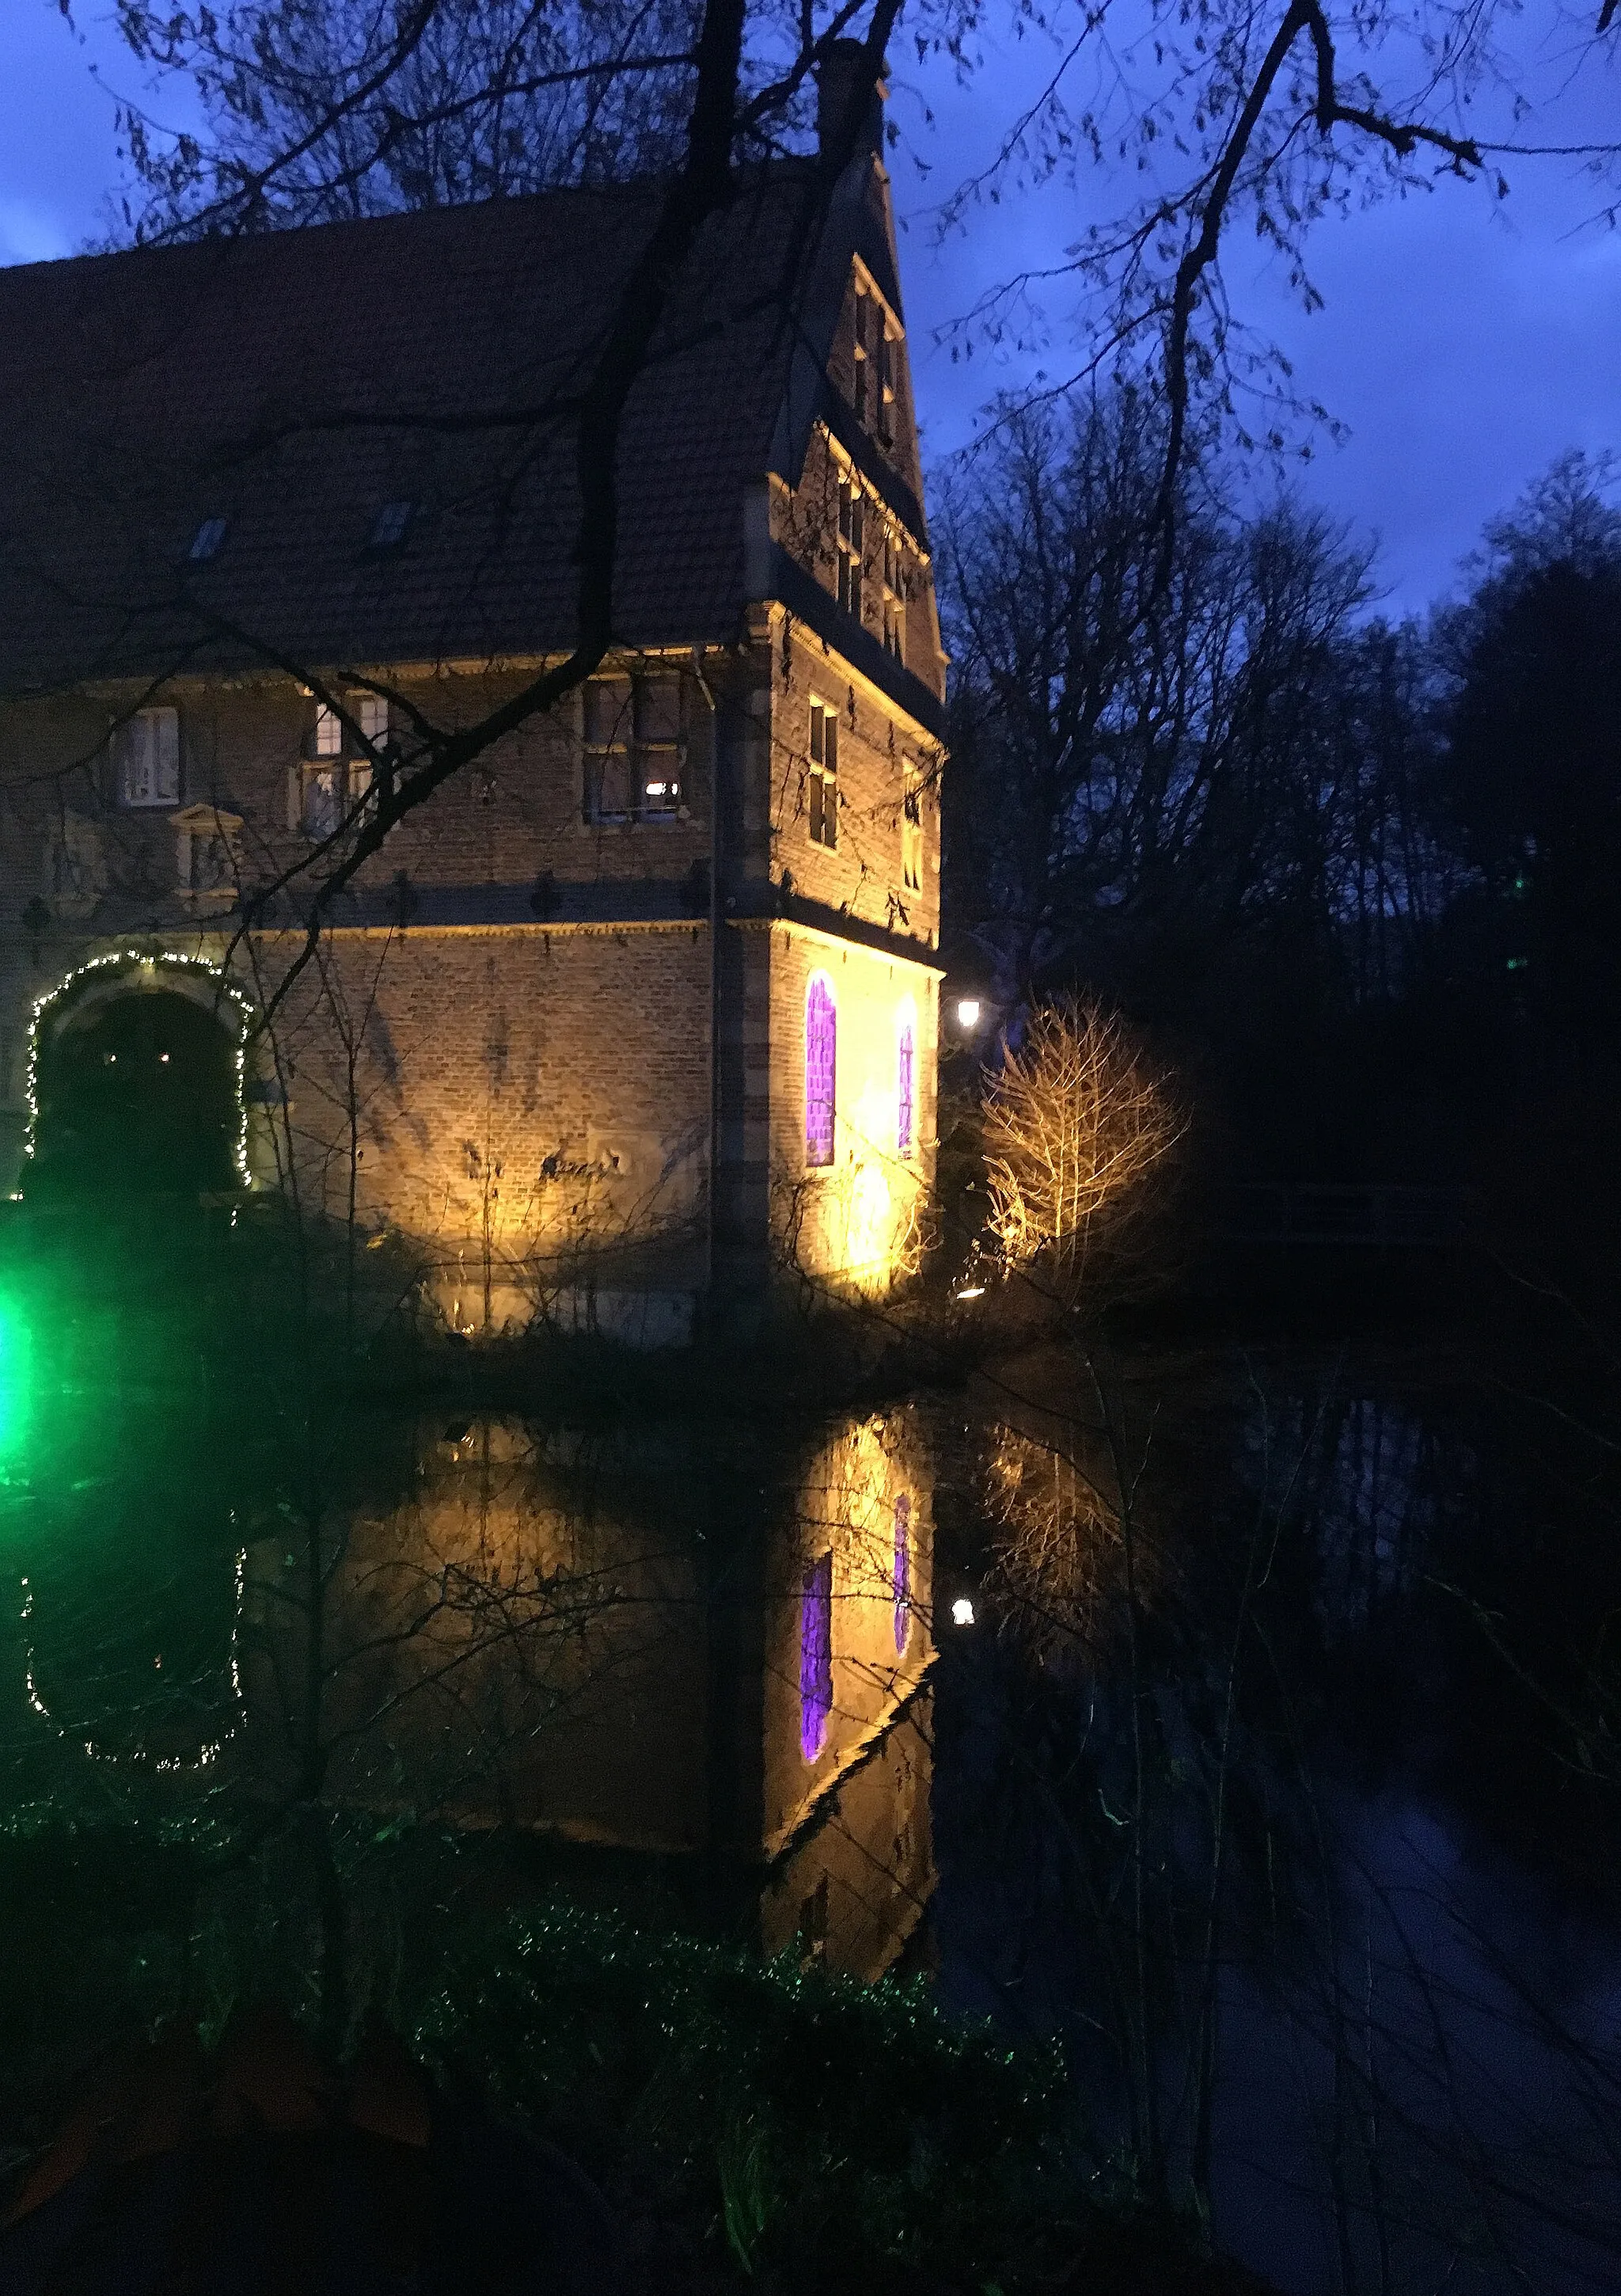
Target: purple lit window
{"points": [[821, 1069], [906, 1065], [815, 1656], [902, 1568]]}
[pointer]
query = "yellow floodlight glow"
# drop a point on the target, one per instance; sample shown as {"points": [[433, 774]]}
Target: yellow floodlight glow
{"points": [[871, 1222]]}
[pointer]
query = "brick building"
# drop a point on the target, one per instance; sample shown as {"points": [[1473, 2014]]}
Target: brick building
{"points": [[641, 1004]]}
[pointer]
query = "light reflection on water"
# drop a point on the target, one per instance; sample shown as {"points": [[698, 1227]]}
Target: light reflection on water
{"points": [[718, 1660], [587, 1636]]}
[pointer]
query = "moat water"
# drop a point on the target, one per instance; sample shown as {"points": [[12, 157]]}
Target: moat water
{"points": [[1245, 1723]]}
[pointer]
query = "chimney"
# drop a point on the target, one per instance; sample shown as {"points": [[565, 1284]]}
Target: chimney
{"points": [[842, 83]]}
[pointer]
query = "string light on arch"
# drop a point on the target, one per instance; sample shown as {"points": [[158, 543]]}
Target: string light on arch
{"points": [[124, 960]]}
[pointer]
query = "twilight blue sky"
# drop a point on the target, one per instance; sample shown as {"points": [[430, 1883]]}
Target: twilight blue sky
{"points": [[1463, 343]]}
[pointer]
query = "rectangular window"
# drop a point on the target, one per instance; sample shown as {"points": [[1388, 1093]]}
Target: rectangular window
{"points": [[322, 806], [147, 758], [657, 717], [851, 526], [371, 712], [895, 598], [608, 745], [633, 749], [822, 793], [905, 1089], [207, 864], [875, 367], [912, 834], [821, 1072]]}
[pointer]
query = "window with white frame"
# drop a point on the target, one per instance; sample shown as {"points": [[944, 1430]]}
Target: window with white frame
{"points": [[317, 797], [822, 789], [321, 807], [371, 714], [146, 758], [337, 774], [633, 749]]}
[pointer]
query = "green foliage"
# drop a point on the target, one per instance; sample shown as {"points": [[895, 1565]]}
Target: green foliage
{"points": [[818, 2118], [786, 2128]]}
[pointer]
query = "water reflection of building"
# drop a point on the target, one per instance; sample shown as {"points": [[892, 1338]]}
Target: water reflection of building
{"points": [[844, 1735], [630, 1639]]}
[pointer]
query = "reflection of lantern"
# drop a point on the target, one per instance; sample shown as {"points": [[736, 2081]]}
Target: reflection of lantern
{"points": [[902, 1568], [815, 1656]]}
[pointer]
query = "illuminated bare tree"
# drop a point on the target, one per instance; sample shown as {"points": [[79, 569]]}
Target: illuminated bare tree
{"points": [[1076, 1123]]}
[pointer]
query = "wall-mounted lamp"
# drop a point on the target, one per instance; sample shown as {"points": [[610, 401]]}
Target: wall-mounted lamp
{"points": [[962, 1611], [968, 1012]]}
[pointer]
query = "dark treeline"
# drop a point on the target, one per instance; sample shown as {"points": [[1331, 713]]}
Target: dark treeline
{"points": [[1360, 879]]}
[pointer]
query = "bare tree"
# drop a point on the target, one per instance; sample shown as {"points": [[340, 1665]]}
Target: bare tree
{"points": [[1140, 765], [1223, 114], [1076, 1124]]}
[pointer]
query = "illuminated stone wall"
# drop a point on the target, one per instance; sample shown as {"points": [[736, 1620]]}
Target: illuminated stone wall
{"points": [[503, 1051], [532, 1107], [861, 875], [862, 1220]]}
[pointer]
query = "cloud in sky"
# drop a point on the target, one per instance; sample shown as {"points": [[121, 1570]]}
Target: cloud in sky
{"points": [[1465, 345]]}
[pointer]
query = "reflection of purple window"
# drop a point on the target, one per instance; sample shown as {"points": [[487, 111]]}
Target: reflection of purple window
{"points": [[821, 1069], [815, 1656], [902, 1568], [904, 1063]]}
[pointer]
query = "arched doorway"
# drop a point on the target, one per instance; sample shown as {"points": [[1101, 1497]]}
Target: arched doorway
{"points": [[136, 1091]]}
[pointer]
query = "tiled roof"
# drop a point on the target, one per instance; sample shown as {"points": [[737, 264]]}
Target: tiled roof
{"points": [[293, 383]]}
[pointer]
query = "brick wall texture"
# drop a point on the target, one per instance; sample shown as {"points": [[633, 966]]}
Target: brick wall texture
{"points": [[569, 1050]]}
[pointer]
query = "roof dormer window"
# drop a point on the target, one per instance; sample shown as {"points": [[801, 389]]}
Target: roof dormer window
{"points": [[207, 541], [390, 526]]}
